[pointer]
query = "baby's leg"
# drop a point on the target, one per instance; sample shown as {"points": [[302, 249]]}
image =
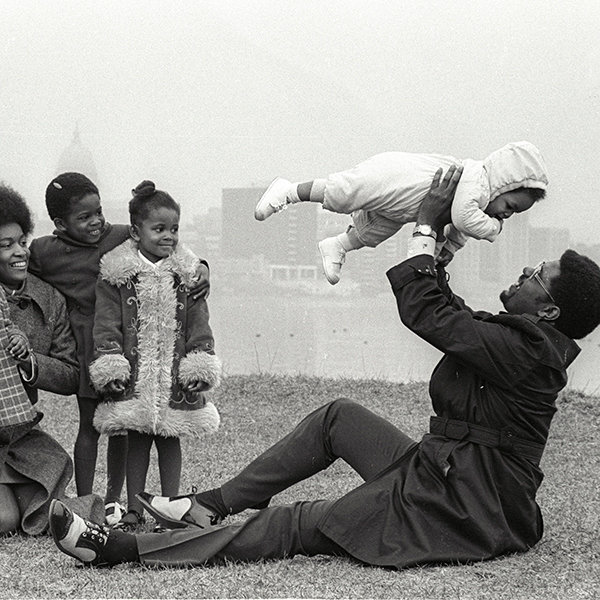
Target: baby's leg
{"points": [[169, 464], [310, 191], [370, 228], [281, 193]]}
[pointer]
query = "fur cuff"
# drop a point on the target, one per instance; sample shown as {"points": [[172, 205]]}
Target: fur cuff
{"points": [[200, 366], [107, 368]]}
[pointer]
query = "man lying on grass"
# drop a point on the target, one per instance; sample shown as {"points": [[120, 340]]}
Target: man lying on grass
{"points": [[465, 492]]}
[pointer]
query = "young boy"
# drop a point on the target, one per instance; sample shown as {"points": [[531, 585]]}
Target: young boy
{"points": [[69, 259], [384, 193]]}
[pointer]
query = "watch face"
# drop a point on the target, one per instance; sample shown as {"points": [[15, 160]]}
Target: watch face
{"points": [[425, 230]]}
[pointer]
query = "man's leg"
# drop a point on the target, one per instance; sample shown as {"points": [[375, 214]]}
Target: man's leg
{"points": [[276, 532], [341, 429]]}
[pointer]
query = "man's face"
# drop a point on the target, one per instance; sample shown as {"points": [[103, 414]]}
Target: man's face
{"points": [[527, 295]]}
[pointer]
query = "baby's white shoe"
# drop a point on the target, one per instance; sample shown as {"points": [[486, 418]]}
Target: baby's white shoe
{"points": [[333, 255], [274, 199]]}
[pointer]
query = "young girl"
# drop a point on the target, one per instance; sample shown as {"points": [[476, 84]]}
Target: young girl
{"points": [[154, 346], [384, 193]]}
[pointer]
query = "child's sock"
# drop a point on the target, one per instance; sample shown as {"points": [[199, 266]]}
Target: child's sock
{"points": [[309, 191], [349, 240]]}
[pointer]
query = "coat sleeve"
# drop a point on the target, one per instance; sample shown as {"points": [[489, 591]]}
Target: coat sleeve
{"points": [[200, 363], [35, 265], [110, 362], [500, 353], [58, 371], [471, 198], [468, 218]]}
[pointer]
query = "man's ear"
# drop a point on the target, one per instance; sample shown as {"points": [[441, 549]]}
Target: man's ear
{"points": [[60, 224], [133, 232], [550, 312]]}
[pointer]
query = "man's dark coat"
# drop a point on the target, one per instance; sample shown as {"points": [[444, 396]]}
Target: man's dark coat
{"points": [[450, 500]]}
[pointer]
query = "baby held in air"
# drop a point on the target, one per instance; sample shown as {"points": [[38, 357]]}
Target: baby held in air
{"points": [[384, 192]]}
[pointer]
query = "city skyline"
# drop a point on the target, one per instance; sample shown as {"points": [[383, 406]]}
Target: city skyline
{"points": [[203, 96]]}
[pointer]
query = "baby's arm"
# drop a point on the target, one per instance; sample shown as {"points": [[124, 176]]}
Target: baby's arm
{"points": [[471, 198], [469, 219]]}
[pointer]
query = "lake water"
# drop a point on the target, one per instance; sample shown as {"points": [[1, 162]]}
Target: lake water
{"points": [[354, 337]]}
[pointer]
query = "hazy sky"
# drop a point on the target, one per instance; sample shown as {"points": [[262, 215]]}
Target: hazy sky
{"points": [[204, 94]]}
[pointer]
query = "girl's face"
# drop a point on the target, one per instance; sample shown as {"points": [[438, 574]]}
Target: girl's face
{"points": [[14, 255], [157, 235], [85, 221]]}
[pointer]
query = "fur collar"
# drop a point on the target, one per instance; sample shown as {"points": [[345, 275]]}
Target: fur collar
{"points": [[122, 264]]}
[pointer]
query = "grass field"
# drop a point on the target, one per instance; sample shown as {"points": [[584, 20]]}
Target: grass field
{"points": [[257, 410]]}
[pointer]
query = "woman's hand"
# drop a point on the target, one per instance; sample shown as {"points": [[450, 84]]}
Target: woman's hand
{"points": [[201, 287], [435, 208]]}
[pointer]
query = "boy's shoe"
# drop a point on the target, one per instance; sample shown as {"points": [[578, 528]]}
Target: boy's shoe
{"points": [[178, 511], [273, 200], [333, 255], [114, 512], [77, 537]]}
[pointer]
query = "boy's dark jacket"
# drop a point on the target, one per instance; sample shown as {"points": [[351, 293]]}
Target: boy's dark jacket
{"points": [[72, 268]]}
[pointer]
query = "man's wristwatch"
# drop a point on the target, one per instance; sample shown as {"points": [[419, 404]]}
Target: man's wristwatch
{"points": [[425, 230]]}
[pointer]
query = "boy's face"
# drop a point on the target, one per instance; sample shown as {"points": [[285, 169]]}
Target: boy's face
{"points": [[507, 204], [85, 221]]}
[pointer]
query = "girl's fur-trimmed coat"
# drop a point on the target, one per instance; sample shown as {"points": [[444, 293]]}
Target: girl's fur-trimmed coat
{"points": [[151, 334]]}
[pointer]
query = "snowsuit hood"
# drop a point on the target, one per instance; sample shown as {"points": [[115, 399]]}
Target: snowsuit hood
{"points": [[516, 165]]}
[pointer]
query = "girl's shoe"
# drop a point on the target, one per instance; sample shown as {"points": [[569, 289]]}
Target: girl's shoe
{"points": [[77, 537], [130, 521], [114, 512]]}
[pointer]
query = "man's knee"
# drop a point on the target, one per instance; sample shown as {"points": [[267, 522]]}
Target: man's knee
{"points": [[344, 406]]}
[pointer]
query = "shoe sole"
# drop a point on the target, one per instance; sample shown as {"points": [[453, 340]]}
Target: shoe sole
{"points": [[323, 259], [257, 214], [159, 517]]}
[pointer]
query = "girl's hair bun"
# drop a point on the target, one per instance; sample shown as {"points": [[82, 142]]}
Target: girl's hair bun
{"points": [[144, 189]]}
